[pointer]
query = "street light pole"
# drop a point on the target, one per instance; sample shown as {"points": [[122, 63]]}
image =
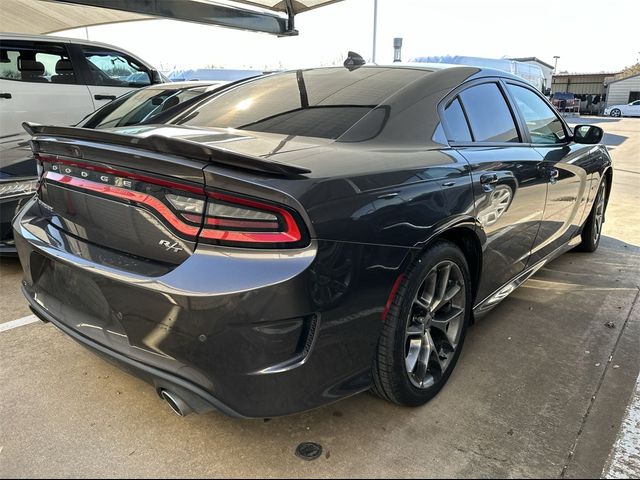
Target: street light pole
{"points": [[555, 65], [375, 29]]}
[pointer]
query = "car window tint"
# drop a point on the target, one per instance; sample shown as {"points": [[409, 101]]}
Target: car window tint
{"points": [[543, 124], [35, 62], [457, 123], [316, 103], [489, 115], [114, 69]]}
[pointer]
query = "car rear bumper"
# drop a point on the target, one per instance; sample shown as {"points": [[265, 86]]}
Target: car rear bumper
{"points": [[197, 398], [235, 330]]}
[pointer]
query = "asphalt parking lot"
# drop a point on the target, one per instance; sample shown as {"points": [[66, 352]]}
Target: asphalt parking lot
{"points": [[541, 388]]}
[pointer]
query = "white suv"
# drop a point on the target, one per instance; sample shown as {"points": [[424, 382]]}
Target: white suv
{"points": [[57, 80]]}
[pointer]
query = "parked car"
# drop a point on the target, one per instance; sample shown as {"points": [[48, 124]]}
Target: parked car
{"points": [[309, 235], [630, 110], [18, 173], [60, 80]]}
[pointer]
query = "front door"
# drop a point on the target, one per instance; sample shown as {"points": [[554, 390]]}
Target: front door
{"points": [[110, 73], [564, 167]]}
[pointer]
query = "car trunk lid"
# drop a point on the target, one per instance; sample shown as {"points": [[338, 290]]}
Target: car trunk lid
{"points": [[141, 192]]}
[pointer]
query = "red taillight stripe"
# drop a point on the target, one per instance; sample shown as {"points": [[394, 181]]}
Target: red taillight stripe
{"points": [[291, 235], [129, 195], [392, 296], [120, 173], [292, 232]]}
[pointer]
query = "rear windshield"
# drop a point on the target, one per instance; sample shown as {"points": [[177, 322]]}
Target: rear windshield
{"points": [[321, 103]]}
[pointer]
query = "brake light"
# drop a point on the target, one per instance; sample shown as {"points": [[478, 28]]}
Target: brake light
{"points": [[232, 219], [218, 217]]}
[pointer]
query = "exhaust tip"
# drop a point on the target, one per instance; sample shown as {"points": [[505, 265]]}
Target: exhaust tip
{"points": [[177, 404]]}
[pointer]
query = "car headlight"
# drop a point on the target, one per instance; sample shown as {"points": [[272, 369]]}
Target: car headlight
{"points": [[18, 188]]}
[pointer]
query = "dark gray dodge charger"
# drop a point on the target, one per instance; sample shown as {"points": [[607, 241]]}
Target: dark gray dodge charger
{"points": [[305, 236]]}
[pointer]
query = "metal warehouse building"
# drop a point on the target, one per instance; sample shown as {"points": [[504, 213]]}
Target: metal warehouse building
{"points": [[590, 88], [624, 90]]}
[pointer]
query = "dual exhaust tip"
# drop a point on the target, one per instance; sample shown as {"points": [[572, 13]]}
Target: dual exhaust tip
{"points": [[176, 403]]}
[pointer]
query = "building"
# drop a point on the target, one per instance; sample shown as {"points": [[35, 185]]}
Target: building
{"points": [[547, 69], [589, 87], [624, 90]]}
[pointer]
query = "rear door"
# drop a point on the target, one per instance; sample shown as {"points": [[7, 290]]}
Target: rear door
{"points": [[508, 181], [564, 166], [110, 73], [38, 83]]}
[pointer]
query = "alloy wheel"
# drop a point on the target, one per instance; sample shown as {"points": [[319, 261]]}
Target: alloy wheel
{"points": [[435, 324]]}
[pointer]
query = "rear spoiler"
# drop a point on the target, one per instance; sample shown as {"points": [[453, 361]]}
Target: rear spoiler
{"points": [[172, 146]]}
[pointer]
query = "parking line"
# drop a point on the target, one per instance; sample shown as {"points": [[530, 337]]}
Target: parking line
{"points": [[625, 458], [18, 323]]}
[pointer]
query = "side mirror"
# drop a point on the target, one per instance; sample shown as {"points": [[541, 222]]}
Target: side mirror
{"points": [[155, 77], [587, 134]]}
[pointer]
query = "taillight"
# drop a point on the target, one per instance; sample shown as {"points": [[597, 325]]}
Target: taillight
{"points": [[219, 218], [230, 219]]}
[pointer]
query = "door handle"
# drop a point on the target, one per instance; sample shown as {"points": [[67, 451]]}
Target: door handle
{"points": [[554, 174], [5, 95], [104, 97]]}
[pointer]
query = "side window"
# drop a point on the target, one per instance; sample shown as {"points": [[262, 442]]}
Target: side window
{"points": [[543, 124], [456, 122], [114, 69], [35, 62], [488, 114]]}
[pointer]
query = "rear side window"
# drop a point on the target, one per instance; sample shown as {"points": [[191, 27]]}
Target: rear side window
{"points": [[543, 124], [35, 62], [488, 114], [321, 103], [456, 123], [114, 69]]}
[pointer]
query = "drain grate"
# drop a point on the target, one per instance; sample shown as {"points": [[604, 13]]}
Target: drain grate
{"points": [[309, 451]]}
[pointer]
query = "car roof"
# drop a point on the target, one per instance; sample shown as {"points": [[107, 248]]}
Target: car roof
{"points": [[434, 67], [442, 68], [51, 38]]}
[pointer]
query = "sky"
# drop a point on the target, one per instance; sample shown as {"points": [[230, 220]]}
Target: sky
{"points": [[587, 35]]}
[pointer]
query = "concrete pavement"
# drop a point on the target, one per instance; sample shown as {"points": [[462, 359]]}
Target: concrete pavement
{"points": [[540, 390]]}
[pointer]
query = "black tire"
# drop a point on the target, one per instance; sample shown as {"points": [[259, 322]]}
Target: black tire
{"points": [[592, 230], [392, 379], [616, 113]]}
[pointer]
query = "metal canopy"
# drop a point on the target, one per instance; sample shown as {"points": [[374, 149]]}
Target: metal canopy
{"points": [[47, 16]]}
